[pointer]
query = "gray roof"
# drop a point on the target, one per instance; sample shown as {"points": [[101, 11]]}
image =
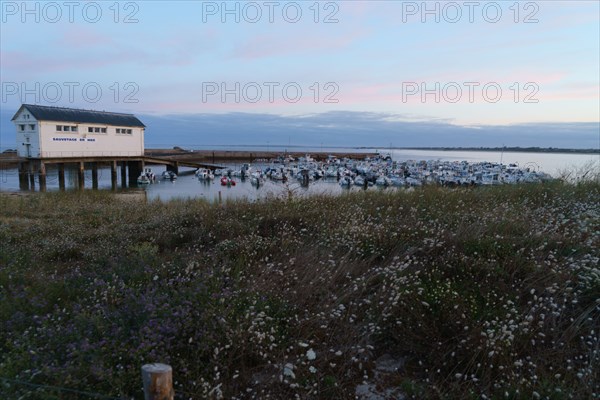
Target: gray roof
{"points": [[59, 114]]}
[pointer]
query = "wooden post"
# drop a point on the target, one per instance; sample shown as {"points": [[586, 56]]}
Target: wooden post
{"points": [[61, 176], [123, 174], [31, 176], [173, 167], [23, 178], [113, 175], [94, 175], [135, 169], [80, 175], [42, 176], [220, 199], [158, 382]]}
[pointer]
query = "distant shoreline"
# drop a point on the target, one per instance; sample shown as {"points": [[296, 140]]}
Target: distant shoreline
{"points": [[498, 149]]}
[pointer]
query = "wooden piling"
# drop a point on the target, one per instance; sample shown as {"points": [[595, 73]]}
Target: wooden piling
{"points": [[123, 174], [42, 176], [80, 175], [158, 382], [61, 176], [94, 175], [135, 169], [31, 176], [113, 175], [23, 176], [173, 167]]}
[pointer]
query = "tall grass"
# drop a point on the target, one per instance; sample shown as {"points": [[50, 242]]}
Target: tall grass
{"points": [[474, 293]]}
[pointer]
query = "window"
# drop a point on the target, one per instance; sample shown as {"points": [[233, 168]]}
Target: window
{"points": [[103, 130], [73, 129], [129, 131], [97, 130], [118, 130], [31, 126], [66, 128], [90, 130], [58, 128], [22, 127]]}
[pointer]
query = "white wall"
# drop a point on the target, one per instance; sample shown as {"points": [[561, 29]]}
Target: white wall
{"points": [[28, 136], [47, 142], [84, 144]]}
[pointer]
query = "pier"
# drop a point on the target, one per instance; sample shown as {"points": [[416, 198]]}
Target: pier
{"points": [[130, 168]]}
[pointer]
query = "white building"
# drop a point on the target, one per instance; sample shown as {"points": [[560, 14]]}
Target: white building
{"points": [[55, 132]]}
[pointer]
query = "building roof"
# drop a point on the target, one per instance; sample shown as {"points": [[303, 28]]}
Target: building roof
{"points": [[60, 114]]}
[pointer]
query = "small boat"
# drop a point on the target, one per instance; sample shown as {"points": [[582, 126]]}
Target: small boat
{"points": [[383, 181], [346, 181], [143, 179], [256, 179], [146, 177], [205, 174], [169, 175], [359, 181], [226, 181]]}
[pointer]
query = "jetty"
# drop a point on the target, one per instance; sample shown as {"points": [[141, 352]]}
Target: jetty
{"points": [[129, 167]]}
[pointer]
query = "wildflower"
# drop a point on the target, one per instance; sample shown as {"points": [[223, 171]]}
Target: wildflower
{"points": [[288, 370]]}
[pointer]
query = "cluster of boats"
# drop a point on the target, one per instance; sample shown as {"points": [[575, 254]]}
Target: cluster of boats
{"points": [[147, 176], [376, 171], [382, 171]]}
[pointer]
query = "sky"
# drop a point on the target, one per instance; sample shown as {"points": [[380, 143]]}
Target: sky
{"points": [[355, 73]]}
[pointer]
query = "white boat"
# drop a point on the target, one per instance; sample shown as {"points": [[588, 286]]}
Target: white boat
{"points": [[143, 179], [146, 177], [383, 181], [359, 181], [346, 181], [204, 174], [256, 178], [169, 175]]}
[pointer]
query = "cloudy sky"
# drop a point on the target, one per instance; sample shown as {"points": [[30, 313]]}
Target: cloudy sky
{"points": [[306, 72]]}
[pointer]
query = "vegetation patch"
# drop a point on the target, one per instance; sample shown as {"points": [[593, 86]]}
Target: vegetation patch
{"points": [[485, 293]]}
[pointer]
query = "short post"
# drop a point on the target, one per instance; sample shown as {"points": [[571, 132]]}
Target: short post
{"points": [[220, 199], [158, 382]]}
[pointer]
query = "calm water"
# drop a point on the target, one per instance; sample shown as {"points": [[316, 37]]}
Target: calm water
{"points": [[188, 186]]}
